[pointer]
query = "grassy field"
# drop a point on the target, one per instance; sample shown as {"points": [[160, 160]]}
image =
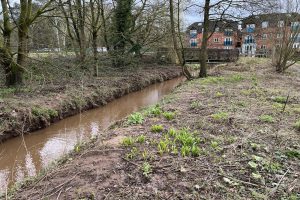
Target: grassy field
{"points": [[233, 135]]}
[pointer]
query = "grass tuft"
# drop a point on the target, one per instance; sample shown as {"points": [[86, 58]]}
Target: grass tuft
{"points": [[266, 119]]}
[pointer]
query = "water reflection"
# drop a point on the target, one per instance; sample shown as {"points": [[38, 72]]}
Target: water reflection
{"points": [[42, 147]]}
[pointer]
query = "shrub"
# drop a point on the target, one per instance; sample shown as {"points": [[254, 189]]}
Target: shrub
{"points": [[156, 110], [147, 169], [135, 118]]}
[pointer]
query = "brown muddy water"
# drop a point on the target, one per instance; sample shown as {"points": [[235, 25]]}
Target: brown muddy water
{"points": [[25, 157]]}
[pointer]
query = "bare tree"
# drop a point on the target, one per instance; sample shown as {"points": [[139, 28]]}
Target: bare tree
{"points": [[286, 39]]}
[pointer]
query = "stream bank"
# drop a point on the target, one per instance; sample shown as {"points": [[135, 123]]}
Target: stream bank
{"points": [[26, 110], [223, 137]]}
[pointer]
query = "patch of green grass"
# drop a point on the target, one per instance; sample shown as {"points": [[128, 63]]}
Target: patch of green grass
{"points": [[135, 118], [128, 141], [195, 151], [169, 115], [186, 138], [241, 104], [235, 78], [266, 119], [132, 154], [279, 99], [141, 139], [297, 125], [218, 80], [292, 153], [147, 169], [7, 91], [154, 110], [212, 80], [297, 110], [219, 94], [172, 132], [163, 146], [277, 106], [185, 150], [214, 144], [220, 116], [44, 112], [157, 128], [195, 104]]}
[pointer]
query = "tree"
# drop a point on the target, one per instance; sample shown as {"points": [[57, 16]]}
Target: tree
{"points": [[179, 51], [15, 70], [122, 24], [287, 37]]}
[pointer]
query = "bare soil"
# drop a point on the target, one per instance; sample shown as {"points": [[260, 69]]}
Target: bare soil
{"points": [[239, 121], [38, 105]]}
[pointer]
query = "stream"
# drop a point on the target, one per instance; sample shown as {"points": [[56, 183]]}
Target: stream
{"points": [[21, 157]]}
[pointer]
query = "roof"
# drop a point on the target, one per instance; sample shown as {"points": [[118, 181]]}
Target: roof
{"points": [[272, 18], [222, 25]]}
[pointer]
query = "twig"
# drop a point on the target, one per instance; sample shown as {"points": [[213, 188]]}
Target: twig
{"points": [[61, 185], [272, 192], [131, 162], [285, 103]]}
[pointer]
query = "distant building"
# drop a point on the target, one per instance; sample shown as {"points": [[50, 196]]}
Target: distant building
{"points": [[253, 35], [223, 35], [261, 33]]}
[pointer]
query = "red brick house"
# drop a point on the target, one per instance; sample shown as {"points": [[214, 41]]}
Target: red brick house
{"points": [[223, 35]]}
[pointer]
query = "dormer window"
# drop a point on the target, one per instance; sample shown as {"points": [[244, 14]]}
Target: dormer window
{"points": [[265, 24], [193, 33], [280, 24], [250, 28], [217, 29], [228, 32]]}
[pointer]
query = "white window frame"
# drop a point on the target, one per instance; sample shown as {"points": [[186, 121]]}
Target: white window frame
{"points": [[265, 24], [280, 24]]}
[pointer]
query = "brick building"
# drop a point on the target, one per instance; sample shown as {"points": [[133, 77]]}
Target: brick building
{"points": [[261, 33], [225, 35], [252, 35]]}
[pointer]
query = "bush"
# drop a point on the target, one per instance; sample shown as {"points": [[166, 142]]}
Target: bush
{"points": [[135, 118]]}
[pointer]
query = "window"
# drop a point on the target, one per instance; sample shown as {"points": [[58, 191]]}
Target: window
{"points": [[264, 36], [193, 33], [228, 41], [281, 24], [216, 40], [193, 42], [265, 24], [228, 32], [249, 39], [263, 47], [250, 28], [279, 36], [295, 26], [217, 29]]}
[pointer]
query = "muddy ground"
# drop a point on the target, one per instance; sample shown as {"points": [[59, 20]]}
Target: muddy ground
{"points": [[233, 135], [41, 103]]}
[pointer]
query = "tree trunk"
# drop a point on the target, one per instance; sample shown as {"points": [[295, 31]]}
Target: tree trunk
{"points": [[95, 52], [203, 53], [175, 44]]}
